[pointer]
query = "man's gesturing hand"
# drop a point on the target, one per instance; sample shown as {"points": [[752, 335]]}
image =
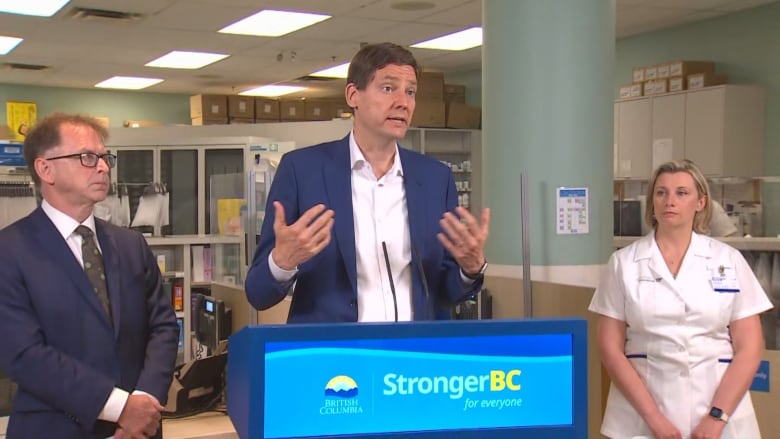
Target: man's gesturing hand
{"points": [[300, 241]]}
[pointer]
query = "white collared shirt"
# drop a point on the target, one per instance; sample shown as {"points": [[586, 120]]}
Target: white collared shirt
{"points": [[67, 228], [381, 216]]}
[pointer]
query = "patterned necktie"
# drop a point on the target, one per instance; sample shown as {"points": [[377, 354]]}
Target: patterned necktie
{"points": [[93, 266]]}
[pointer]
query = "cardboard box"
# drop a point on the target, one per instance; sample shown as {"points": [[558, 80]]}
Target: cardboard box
{"points": [[267, 109], [293, 109], [319, 109], [429, 114], [663, 71], [706, 79], [656, 86], [685, 68], [208, 106], [5, 132], [241, 106], [630, 91], [455, 93], [140, 123], [651, 73], [677, 83], [209, 121], [463, 116], [638, 75], [430, 87], [240, 120]]}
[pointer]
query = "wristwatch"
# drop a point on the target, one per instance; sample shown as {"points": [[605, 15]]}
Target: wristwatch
{"points": [[719, 414], [479, 274]]}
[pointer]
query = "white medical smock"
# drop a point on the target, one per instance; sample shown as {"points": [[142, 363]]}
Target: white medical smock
{"points": [[677, 335]]}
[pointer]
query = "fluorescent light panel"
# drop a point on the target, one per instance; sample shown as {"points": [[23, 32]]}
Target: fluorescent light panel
{"points": [[179, 59], [465, 39], [38, 8], [271, 23], [128, 82], [7, 44], [339, 71], [272, 90]]}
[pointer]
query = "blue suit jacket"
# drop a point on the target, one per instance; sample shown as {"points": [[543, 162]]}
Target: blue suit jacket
{"points": [[326, 285], [60, 346]]}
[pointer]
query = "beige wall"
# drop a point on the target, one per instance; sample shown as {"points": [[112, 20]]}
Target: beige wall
{"points": [[555, 300]]}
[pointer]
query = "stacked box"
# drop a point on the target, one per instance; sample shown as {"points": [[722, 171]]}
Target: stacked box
{"points": [[292, 110], [430, 110], [266, 109], [241, 107], [208, 109]]}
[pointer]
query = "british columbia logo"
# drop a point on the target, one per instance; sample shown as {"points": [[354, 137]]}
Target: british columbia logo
{"points": [[341, 397]]}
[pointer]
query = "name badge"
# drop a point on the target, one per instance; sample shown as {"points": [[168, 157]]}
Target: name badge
{"points": [[724, 280]]}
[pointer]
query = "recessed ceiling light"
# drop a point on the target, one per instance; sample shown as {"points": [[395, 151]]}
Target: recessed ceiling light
{"points": [[339, 71], [179, 59], [465, 39], [128, 82], [7, 44], [39, 8], [272, 90], [271, 23]]}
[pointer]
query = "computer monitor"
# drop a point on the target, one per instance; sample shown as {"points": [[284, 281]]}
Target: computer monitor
{"points": [[213, 322], [494, 379]]}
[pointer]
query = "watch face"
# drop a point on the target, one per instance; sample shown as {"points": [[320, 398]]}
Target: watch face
{"points": [[716, 412]]}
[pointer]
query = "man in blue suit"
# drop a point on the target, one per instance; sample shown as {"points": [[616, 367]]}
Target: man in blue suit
{"points": [[402, 250], [89, 336]]}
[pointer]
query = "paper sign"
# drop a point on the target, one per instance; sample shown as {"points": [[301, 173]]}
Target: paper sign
{"points": [[572, 211]]}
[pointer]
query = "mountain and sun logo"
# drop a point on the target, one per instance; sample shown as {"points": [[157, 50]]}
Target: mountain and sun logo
{"points": [[341, 386], [341, 397]]}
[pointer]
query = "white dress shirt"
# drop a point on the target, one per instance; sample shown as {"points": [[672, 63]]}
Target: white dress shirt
{"points": [[380, 215]]}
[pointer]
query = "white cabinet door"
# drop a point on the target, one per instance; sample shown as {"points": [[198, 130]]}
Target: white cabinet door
{"points": [[725, 130], [634, 138], [704, 116], [668, 131]]}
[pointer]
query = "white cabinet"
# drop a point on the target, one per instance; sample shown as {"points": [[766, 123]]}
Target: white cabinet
{"points": [[725, 129], [720, 128], [668, 130], [633, 138]]}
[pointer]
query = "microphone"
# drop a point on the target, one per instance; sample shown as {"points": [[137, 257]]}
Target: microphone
{"points": [[390, 276], [424, 278]]}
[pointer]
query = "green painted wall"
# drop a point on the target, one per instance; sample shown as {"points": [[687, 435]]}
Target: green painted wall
{"points": [[743, 45], [118, 106]]}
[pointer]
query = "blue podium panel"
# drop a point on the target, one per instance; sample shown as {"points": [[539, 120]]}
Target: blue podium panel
{"points": [[465, 379]]}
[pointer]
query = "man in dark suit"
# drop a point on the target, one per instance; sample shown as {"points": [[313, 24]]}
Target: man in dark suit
{"points": [[391, 210], [89, 336]]}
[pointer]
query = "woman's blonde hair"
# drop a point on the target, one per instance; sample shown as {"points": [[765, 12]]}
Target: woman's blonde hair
{"points": [[701, 220]]}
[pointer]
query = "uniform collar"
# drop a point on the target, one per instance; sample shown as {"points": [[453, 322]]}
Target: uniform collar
{"points": [[699, 246]]}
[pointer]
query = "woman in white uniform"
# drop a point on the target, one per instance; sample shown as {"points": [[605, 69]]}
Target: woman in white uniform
{"points": [[679, 331]]}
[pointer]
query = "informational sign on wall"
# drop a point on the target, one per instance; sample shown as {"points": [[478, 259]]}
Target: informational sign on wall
{"points": [[572, 211], [20, 117]]}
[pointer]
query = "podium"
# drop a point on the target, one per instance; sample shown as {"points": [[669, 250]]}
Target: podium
{"points": [[441, 379]]}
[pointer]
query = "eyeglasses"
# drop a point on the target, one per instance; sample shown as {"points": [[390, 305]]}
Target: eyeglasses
{"points": [[89, 159]]}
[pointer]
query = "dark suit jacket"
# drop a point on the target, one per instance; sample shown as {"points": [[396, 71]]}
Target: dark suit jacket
{"points": [[59, 344], [326, 285]]}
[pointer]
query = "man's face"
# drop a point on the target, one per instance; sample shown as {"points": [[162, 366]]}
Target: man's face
{"points": [[73, 182], [384, 108]]}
